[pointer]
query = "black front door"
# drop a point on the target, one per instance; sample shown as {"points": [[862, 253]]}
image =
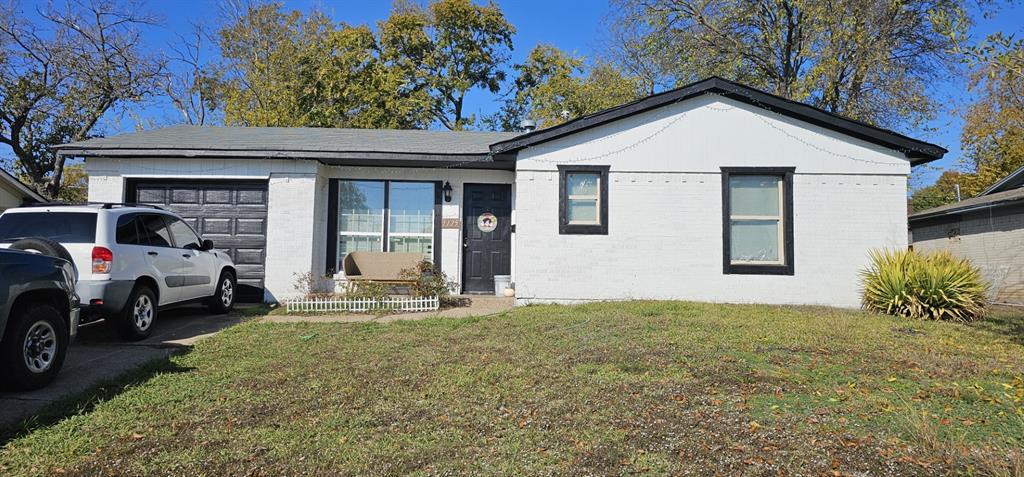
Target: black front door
{"points": [[486, 235]]}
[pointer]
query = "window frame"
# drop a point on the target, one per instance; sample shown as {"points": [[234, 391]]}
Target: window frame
{"points": [[786, 267], [332, 266], [566, 228]]}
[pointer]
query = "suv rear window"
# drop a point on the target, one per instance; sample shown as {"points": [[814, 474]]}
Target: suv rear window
{"points": [[64, 227]]}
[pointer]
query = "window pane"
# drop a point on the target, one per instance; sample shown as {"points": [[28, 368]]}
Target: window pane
{"points": [[582, 183], [361, 207], [581, 210], [423, 245], [754, 195], [156, 230], [183, 235], [67, 227], [754, 241], [128, 230], [356, 243], [412, 208]]}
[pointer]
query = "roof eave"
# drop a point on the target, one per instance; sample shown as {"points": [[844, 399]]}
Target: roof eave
{"points": [[1009, 178], [23, 188], [925, 214], [339, 158]]}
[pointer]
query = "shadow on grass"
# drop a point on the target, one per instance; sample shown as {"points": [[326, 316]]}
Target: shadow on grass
{"points": [[1004, 320], [85, 401]]}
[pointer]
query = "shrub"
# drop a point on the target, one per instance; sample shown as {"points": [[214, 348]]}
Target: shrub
{"points": [[367, 290], [312, 286], [934, 286], [428, 281]]}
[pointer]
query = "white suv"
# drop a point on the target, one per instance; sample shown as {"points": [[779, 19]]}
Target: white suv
{"points": [[131, 260]]}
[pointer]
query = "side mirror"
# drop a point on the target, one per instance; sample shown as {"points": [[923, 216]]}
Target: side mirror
{"points": [[207, 244]]}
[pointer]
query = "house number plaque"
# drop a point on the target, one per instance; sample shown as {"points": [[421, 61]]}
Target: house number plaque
{"points": [[451, 223]]}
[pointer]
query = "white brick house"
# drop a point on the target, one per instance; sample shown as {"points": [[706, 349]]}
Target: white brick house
{"points": [[714, 191]]}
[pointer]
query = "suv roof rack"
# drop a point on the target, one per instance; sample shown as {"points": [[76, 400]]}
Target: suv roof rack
{"points": [[102, 205], [111, 205]]}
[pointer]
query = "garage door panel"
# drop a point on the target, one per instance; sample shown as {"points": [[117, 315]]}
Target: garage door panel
{"points": [[217, 196], [151, 195], [248, 256], [184, 197], [247, 226], [252, 197], [233, 214], [216, 226]]}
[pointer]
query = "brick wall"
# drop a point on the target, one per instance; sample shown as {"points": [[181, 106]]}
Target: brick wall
{"points": [[993, 239], [665, 209]]}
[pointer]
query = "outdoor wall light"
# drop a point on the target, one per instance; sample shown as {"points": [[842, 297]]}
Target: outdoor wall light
{"points": [[447, 189]]}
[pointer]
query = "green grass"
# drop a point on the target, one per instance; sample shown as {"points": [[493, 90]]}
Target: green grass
{"points": [[649, 388]]}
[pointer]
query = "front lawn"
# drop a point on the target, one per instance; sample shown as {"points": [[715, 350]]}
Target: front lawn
{"points": [[620, 388]]}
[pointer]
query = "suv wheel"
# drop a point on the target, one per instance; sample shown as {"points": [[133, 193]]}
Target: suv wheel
{"points": [[223, 300], [33, 350], [139, 314]]}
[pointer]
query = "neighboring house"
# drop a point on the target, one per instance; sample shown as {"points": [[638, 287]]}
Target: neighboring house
{"points": [[987, 229], [714, 191], [14, 193]]}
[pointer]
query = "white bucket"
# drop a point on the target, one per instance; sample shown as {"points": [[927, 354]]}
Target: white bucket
{"points": [[501, 282]]}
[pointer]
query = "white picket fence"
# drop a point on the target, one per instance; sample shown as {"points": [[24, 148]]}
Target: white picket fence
{"points": [[331, 304]]}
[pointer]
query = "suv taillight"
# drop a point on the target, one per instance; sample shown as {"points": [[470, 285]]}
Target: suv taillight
{"points": [[102, 260]]}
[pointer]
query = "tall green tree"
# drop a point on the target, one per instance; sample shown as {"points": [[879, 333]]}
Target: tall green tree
{"points": [[347, 84], [447, 49], [61, 73], [552, 86], [992, 138], [871, 60], [283, 68], [261, 46]]}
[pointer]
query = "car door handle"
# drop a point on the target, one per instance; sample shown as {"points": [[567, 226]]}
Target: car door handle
{"points": [[153, 254], [186, 255]]}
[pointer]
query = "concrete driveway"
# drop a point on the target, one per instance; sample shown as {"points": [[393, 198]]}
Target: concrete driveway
{"points": [[99, 355]]}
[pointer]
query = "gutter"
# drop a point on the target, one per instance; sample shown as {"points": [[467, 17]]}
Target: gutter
{"points": [[962, 210]]}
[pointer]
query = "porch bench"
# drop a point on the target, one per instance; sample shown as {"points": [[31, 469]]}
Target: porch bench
{"points": [[381, 267]]}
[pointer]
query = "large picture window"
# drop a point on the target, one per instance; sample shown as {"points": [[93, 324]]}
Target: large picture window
{"points": [[383, 216], [583, 200], [757, 220]]}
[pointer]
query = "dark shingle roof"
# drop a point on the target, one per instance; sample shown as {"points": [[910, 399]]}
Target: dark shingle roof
{"points": [[990, 200], [200, 141]]}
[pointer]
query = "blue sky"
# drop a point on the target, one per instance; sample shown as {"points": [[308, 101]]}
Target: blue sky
{"points": [[570, 25]]}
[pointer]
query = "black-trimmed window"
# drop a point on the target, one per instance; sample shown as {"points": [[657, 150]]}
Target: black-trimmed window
{"points": [[583, 200], [383, 216], [757, 220]]}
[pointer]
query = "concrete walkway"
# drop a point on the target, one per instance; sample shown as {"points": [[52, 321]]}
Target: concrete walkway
{"points": [[99, 355], [480, 305]]}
